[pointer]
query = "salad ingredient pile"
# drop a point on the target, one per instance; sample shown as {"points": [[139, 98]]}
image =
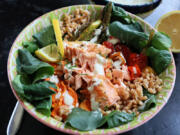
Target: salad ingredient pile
{"points": [[92, 73]]}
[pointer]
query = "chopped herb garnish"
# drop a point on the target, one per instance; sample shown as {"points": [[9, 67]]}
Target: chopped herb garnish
{"points": [[83, 74], [69, 66], [106, 108]]}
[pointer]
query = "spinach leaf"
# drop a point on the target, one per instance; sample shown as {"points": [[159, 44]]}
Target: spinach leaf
{"points": [[160, 59], [38, 91], [43, 73], [149, 103], [84, 120], [28, 64], [119, 14], [31, 92], [38, 94], [46, 36], [31, 46], [18, 86], [129, 34], [161, 41], [117, 118], [44, 106]]}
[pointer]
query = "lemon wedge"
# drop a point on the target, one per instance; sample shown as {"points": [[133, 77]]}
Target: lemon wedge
{"points": [[169, 24], [49, 53], [58, 35]]}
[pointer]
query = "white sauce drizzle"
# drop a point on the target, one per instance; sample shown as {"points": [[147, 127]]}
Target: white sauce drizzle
{"points": [[54, 79], [98, 69], [117, 64], [58, 95], [68, 100], [94, 104], [113, 40], [134, 70]]}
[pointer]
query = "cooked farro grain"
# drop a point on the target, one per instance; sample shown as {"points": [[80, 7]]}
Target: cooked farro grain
{"points": [[71, 23]]}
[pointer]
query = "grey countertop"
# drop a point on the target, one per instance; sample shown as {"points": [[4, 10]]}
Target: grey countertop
{"points": [[164, 7]]}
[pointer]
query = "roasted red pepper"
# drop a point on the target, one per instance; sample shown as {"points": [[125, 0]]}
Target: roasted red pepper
{"points": [[139, 59], [109, 45], [124, 49], [134, 71]]}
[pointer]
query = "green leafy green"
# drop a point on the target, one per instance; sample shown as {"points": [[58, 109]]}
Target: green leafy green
{"points": [[149, 103], [119, 14], [117, 118], [46, 36], [129, 34], [38, 91], [161, 41], [31, 46], [146, 93], [39, 94], [28, 64], [18, 86], [160, 59], [31, 92], [42, 73], [44, 106], [84, 120]]}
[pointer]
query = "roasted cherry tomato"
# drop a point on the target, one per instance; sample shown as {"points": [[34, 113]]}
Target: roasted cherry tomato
{"points": [[124, 49], [134, 71], [139, 59], [109, 45], [117, 48]]}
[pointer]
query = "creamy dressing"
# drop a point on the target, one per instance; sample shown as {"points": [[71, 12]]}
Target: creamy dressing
{"points": [[132, 2], [94, 104], [65, 44], [98, 69], [123, 85], [68, 100], [58, 95], [100, 59], [113, 40], [96, 35], [98, 66], [74, 61], [54, 79], [94, 39], [117, 64], [96, 83], [134, 70]]}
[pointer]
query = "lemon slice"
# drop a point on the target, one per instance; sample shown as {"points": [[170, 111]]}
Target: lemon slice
{"points": [[49, 53], [170, 24]]}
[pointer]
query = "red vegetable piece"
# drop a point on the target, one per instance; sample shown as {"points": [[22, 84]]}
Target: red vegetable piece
{"points": [[109, 45], [139, 59], [117, 48], [125, 51], [134, 71]]}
